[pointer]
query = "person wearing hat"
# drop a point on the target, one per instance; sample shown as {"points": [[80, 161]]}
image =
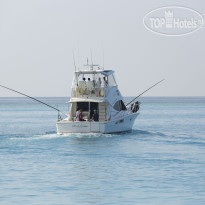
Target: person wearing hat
{"points": [[95, 116]]}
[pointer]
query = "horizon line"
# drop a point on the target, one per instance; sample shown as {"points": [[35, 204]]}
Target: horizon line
{"points": [[122, 96]]}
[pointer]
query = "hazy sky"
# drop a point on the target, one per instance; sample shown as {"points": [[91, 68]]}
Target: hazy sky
{"points": [[37, 38]]}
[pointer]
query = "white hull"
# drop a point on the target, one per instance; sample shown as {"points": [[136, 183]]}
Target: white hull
{"points": [[122, 124]]}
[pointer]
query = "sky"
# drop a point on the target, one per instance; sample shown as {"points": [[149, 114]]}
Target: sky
{"points": [[38, 38]]}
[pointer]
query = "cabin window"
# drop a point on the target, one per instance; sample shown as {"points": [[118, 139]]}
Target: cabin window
{"points": [[83, 105], [119, 105], [111, 80]]}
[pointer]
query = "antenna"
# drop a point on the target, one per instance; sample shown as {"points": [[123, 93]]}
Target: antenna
{"points": [[78, 58], [74, 61], [91, 57], [103, 56]]}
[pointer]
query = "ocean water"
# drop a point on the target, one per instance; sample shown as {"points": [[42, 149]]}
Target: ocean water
{"points": [[162, 161]]}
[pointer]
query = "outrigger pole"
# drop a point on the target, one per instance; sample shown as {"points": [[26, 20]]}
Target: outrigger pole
{"points": [[34, 99], [144, 92]]}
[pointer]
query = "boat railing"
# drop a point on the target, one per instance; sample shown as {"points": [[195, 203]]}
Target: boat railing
{"points": [[78, 91]]}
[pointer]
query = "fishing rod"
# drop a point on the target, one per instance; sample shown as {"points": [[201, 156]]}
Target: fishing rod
{"points": [[34, 99], [144, 92]]}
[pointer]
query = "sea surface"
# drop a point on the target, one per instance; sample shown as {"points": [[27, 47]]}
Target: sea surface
{"points": [[161, 161]]}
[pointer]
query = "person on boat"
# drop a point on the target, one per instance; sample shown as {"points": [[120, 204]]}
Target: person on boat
{"points": [[98, 89], [77, 113], [82, 86], [104, 87], [85, 83], [105, 82], [99, 82], [95, 116], [80, 116], [135, 107], [90, 86]]}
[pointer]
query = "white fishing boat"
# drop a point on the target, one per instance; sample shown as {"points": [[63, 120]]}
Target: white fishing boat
{"points": [[96, 96]]}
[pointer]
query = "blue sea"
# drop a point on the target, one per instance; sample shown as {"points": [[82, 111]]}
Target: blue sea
{"points": [[161, 161]]}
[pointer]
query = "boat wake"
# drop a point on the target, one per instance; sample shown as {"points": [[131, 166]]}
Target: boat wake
{"points": [[139, 135], [54, 135], [148, 133]]}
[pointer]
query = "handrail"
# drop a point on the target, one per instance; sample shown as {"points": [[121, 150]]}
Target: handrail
{"points": [[95, 92]]}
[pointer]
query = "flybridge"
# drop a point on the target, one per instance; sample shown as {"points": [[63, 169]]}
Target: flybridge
{"points": [[92, 82]]}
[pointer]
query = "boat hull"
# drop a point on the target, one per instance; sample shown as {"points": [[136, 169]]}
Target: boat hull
{"points": [[122, 124]]}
